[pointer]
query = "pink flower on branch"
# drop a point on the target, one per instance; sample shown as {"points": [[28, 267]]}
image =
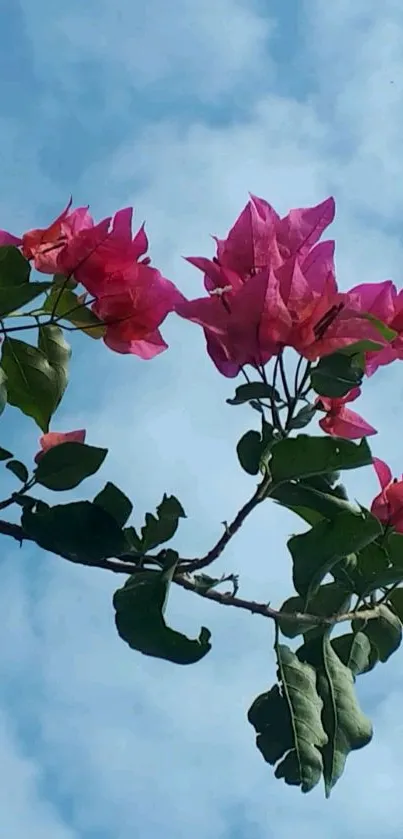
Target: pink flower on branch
{"points": [[301, 306], [388, 505], [340, 421]]}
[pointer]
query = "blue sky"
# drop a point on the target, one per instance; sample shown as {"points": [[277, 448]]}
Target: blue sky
{"points": [[180, 109]]}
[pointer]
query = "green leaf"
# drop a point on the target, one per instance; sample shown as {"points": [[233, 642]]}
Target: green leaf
{"points": [[364, 346], [330, 599], [32, 384], [335, 375], [384, 330], [19, 470], [3, 391], [58, 352], [115, 502], [14, 268], [66, 305], [396, 602], [139, 607], [161, 528], [66, 465], [288, 724], [80, 531], [346, 726], [60, 281], [384, 633], [301, 497], [303, 417], [302, 456], [394, 546], [254, 391], [15, 297], [368, 570], [354, 650], [4, 454], [316, 552], [133, 539], [249, 450]]}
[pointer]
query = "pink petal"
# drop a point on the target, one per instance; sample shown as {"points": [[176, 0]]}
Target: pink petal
{"points": [[383, 472], [146, 348], [9, 239], [375, 298], [318, 268], [301, 229]]}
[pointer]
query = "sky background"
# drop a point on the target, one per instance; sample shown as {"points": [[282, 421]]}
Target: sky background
{"points": [[180, 109]]}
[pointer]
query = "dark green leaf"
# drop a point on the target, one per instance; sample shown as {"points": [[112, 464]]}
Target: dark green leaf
{"points": [[66, 465], [60, 281], [18, 469], [15, 297], [302, 456], [253, 391], [32, 384], [384, 632], [133, 539], [161, 528], [66, 305], [396, 602], [354, 650], [115, 502], [369, 570], [4, 454], [335, 375], [80, 531], [395, 549], [316, 552], [249, 450], [303, 417], [301, 497], [14, 268], [139, 607], [288, 723], [330, 599]]}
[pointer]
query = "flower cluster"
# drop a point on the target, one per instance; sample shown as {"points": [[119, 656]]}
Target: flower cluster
{"points": [[271, 285], [130, 297]]}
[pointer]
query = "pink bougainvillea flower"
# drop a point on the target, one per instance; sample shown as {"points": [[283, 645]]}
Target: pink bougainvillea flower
{"points": [[105, 249], [54, 438], [261, 240], [240, 328], [322, 319], [44, 245], [133, 304], [341, 421], [384, 302], [388, 505]]}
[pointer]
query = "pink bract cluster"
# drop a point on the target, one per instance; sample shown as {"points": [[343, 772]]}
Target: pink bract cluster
{"points": [[270, 285], [131, 297]]}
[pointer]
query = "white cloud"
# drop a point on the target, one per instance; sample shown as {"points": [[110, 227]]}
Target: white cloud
{"points": [[201, 48]]}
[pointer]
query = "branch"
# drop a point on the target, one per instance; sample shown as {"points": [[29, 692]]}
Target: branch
{"points": [[230, 530], [224, 599]]}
